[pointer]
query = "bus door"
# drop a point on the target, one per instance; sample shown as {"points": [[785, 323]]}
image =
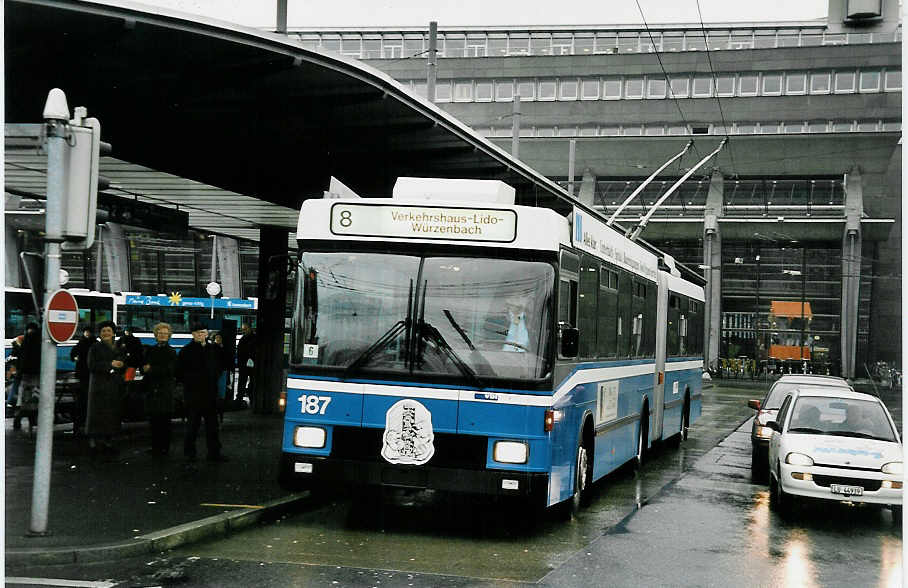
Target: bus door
{"points": [[661, 336]]}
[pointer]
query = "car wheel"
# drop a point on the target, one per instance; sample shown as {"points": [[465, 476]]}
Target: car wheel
{"points": [[896, 510], [779, 500]]}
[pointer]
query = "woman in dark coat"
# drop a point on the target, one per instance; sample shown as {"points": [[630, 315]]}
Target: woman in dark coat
{"points": [[160, 379], [105, 389]]}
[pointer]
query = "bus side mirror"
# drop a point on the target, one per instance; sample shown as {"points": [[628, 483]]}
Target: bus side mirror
{"points": [[570, 341]]}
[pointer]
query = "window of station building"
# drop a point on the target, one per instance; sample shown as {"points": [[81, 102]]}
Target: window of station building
{"points": [[420, 88], [562, 44], [678, 130], [589, 89], [606, 43], [672, 41], [526, 131], [834, 39], [858, 38], [504, 91], [527, 90], [331, 42], [545, 131], [747, 85], [868, 126], [796, 83], [656, 88], [893, 80], [455, 45], [351, 45], [811, 38], [540, 44], [719, 130], [725, 85], [718, 40], [788, 38], [628, 42], [654, 130], [769, 128], [633, 88], [703, 87], [611, 89], [609, 131], [772, 84], [650, 42], [463, 91], [309, 41], [632, 131], [498, 44], [819, 83], [870, 81], [372, 47], [695, 42], [518, 44], [547, 89], [588, 130], [584, 44], [764, 39], [892, 125], [843, 126], [844, 82], [680, 87], [392, 46], [699, 129], [745, 128], [413, 45], [793, 127], [567, 131], [568, 89], [483, 91], [476, 45], [503, 131], [443, 92], [819, 126], [741, 40]]}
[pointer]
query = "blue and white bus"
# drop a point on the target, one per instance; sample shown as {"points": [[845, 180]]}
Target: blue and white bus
{"points": [[446, 338]]}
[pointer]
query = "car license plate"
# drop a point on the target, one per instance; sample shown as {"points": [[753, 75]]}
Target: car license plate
{"points": [[846, 490]]}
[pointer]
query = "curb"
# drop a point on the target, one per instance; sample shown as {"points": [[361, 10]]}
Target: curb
{"points": [[213, 526]]}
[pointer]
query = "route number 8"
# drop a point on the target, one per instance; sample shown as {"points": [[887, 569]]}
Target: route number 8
{"points": [[346, 218], [314, 404]]}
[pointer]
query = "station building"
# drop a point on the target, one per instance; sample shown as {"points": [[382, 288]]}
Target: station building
{"points": [[795, 223]]}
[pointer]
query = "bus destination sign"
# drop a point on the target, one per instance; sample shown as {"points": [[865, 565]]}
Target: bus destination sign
{"points": [[424, 222]]}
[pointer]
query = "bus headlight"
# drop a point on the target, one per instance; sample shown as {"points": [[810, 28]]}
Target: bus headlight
{"points": [[510, 452], [313, 437]]}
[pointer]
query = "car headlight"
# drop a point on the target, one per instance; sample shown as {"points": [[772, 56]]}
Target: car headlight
{"points": [[799, 459], [510, 452], [313, 437], [894, 468], [764, 432]]}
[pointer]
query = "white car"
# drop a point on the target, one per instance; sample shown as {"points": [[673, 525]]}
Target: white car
{"points": [[834, 444]]}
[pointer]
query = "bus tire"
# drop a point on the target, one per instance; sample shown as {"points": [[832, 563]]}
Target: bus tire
{"points": [[642, 437], [583, 472]]}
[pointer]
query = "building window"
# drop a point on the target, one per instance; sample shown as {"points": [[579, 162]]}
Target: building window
{"points": [[868, 126], [476, 45], [892, 125], [676, 130], [392, 46], [584, 44], [844, 82], [567, 131], [606, 43], [546, 89], [893, 80], [588, 130], [463, 91], [527, 90], [331, 43], [788, 38], [443, 92], [611, 89], [745, 128], [562, 44], [796, 83], [504, 91], [817, 126], [633, 88], [567, 90], [518, 44], [772, 84], [541, 44], [498, 45], [769, 128], [483, 91], [672, 41], [351, 46], [793, 128], [652, 131], [680, 87], [628, 42], [819, 83], [412, 45], [455, 45], [420, 89], [502, 131], [589, 89], [372, 48], [655, 88], [694, 41], [632, 131], [747, 85], [870, 81], [725, 85], [609, 131], [703, 87], [545, 132], [842, 126]]}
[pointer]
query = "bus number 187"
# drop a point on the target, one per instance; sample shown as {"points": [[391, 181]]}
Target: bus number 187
{"points": [[314, 404]]}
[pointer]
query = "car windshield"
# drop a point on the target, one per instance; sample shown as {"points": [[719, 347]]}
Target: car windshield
{"points": [[472, 318], [780, 390], [847, 417]]}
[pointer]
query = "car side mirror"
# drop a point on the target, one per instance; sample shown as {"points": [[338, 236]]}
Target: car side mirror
{"points": [[570, 341], [774, 426], [754, 404]]}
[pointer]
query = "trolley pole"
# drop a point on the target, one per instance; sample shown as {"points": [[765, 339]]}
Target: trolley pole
{"points": [[56, 116]]}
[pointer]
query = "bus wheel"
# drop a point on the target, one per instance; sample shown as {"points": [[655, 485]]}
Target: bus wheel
{"points": [[582, 480]]}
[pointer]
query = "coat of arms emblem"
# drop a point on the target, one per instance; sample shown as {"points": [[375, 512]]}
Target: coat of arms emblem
{"points": [[408, 434]]}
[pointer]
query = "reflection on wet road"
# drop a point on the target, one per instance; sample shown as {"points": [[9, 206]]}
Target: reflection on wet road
{"points": [[691, 517]]}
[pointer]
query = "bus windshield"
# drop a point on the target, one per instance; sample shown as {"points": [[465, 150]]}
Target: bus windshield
{"points": [[473, 318]]}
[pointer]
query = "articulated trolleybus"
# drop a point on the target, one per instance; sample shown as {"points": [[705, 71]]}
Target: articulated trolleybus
{"points": [[449, 339]]}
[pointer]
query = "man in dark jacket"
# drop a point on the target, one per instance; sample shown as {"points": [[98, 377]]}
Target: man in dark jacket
{"points": [[199, 364], [29, 369], [159, 371], [245, 360], [131, 348], [79, 354]]}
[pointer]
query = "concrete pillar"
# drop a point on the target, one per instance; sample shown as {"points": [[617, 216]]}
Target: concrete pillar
{"points": [[712, 259], [851, 272], [116, 258], [228, 253], [588, 188], [272, 289], [12, 271]]}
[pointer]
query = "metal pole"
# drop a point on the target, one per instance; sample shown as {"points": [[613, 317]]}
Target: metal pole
{"points": [[282, 16], [98, 264], [433, 63], [572, 151], [56, 186], [515, 127], [803, 300]]}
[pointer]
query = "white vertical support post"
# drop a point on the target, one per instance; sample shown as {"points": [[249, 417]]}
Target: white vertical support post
{"points": [[572, 154], [515, 126], [433, 61]]}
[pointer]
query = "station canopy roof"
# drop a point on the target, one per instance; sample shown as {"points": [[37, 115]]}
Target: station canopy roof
{"points": [[235, 125]]}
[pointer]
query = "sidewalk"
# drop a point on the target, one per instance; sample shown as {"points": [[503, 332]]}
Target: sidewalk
{"points": [[106, 508]]}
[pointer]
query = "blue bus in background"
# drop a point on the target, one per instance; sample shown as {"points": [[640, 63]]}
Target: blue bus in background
{"points": [[448, 339]]}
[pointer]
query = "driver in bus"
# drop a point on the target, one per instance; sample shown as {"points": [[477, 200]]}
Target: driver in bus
{"points": [[518, 337]]}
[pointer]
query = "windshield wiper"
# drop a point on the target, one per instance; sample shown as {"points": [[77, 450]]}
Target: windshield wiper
{"points": [[806, 430], [386, 338], [426, 329]]}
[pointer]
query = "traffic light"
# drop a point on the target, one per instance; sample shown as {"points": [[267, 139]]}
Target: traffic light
{"points": [[83, 152]]}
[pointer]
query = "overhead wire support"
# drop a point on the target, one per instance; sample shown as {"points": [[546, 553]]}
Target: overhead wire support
{"points": [[646, 182], [632, 234]]}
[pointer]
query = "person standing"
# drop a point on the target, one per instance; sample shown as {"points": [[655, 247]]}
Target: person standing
{"points": [[217, 340], [28, 367], [131, 348], [105, 389], [245, 359], [160, 378], [198, 365], [79, 354]]}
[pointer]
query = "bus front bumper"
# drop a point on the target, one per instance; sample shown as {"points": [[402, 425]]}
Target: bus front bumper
{"points": [[305, 471]]}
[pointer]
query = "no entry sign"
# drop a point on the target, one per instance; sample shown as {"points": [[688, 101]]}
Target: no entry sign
{"points": [[62, 316]]}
